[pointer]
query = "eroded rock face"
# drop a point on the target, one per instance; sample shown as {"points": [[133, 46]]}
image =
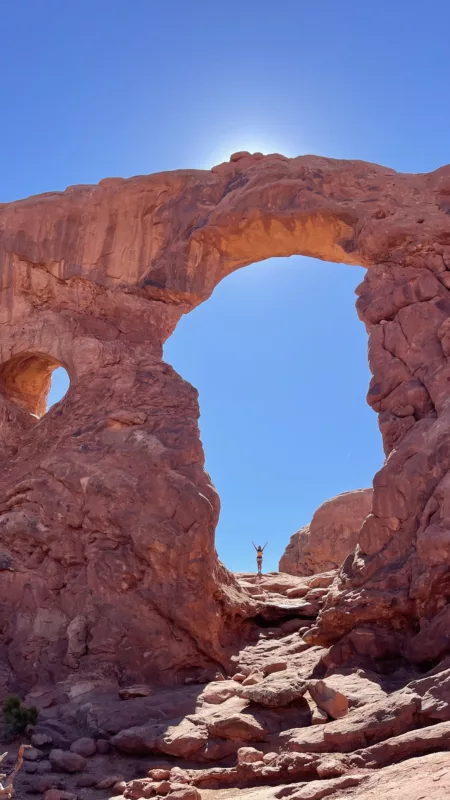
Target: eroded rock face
{"points": [[299, 735], [107, 516], [330, 537]]}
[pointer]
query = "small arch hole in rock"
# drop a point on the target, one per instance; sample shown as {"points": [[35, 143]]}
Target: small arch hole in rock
{"points": [[34, 381], [59, 386]]}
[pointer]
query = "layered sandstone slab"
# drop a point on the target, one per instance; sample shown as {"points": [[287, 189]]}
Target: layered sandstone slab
{"points": [[330, 537]]}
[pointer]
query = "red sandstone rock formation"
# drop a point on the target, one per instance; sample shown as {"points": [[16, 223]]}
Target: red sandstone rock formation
{"points": [[288, 723], [107, 516], [330, 537]]}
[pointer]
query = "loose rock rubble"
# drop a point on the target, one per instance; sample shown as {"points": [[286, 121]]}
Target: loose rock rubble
{"points": [[303, 728]]}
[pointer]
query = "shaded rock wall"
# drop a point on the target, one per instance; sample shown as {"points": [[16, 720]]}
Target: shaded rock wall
{"points": [[331, 536], [106, 512]]}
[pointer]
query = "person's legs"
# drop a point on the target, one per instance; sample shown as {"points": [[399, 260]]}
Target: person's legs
{"points": [[259, 562]]}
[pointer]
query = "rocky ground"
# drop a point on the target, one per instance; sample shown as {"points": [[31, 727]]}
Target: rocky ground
{"points": [[290, 722]]}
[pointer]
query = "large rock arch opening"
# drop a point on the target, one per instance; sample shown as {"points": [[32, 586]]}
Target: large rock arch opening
{"points": [[279, 358], [109, 518]]}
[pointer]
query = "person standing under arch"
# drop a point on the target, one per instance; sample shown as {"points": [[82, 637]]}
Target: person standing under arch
{"points": [[259, 556]]}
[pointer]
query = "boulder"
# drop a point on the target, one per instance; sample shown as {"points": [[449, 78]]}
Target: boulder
{"points": [[239, 727], [40, 740], [119, 788], [178, 775], [140, 787], [159, 774], [333, 702], [32, 754], [331, 536], [277, 689], [66, 761], [186, 793], [182, 740], [138, 740], [84, 747], [359, 686], [216, 693], [253, 679], [249, 755], [163, 788], [276, 666], [216, 750]]}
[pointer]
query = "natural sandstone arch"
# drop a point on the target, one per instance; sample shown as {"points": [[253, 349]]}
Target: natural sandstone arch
{"points": [[106, 509]]}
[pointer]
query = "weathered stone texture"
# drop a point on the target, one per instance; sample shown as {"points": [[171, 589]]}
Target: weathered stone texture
{"points": [[330, 537], [106, 513]]}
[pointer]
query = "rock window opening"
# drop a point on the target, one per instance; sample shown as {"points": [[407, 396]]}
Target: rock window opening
{"points": [[59, 386], [279, 357], [33, 381]]}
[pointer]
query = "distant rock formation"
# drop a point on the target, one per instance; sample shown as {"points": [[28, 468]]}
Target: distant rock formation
{"points": [[331, 535]]}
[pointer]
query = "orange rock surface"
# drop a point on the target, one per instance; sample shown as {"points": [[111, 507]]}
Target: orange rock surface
{"points": [[107, 516], [330, 537]]}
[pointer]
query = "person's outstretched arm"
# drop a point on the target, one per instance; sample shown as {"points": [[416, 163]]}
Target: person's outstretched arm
{"points": [[254, 545], [265, 545]]}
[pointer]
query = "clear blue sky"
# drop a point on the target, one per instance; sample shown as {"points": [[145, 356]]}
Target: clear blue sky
{"points": [[95, 88]]}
